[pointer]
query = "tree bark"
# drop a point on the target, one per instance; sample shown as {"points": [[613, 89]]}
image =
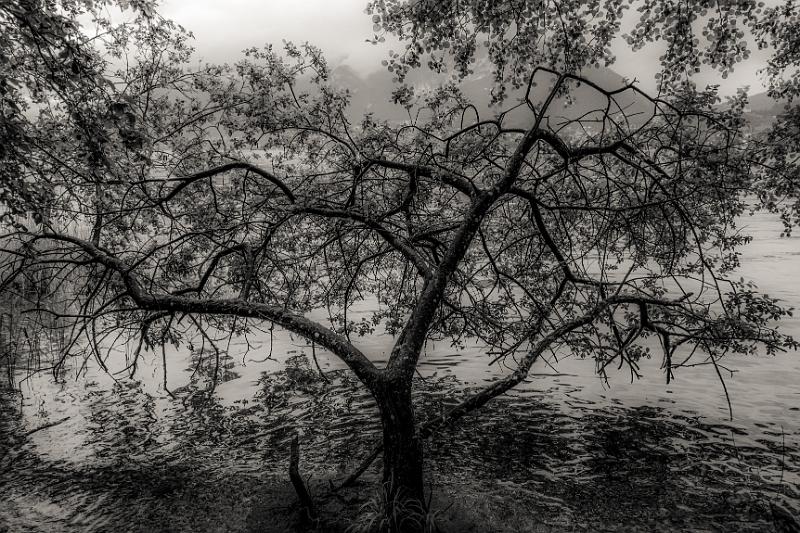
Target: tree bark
{"points": [[402, 459]]}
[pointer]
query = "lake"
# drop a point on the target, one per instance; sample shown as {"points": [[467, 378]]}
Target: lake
{"points": [[566, 450]]}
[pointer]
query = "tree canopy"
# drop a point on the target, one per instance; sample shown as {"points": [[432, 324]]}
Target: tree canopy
{"points": [[516, 36], [173, 200]]}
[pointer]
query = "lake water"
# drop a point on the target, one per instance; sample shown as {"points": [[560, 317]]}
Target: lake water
{"points": [[125, 455]]}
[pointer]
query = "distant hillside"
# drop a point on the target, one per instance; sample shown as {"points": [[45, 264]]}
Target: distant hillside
{"points": [[762, 110], [765, 104]]}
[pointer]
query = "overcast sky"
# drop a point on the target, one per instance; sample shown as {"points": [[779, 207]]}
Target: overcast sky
{"points": [[339, 27], [223, 28]]}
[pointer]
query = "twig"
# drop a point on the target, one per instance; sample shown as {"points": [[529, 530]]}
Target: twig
{"points": [[45, 426], [368, 460], [306, 503], [31, 432], [314, 356]]}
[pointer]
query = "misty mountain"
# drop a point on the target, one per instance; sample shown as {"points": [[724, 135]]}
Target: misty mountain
{"points": [[762, 103], [762, 110]]}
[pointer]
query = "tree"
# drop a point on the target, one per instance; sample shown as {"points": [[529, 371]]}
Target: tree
{"points": [[777, 30], [569, 35], [234, 196], [51, 68], [518, 35]]}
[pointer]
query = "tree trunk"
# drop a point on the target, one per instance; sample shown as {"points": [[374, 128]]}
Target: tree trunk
{"points": [[402, 460]]}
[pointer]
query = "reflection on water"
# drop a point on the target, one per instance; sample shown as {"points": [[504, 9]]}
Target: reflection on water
{"points": [[97, 451], [596, 464]]}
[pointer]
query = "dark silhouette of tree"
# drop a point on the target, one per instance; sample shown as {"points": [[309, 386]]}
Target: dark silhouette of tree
{"points": [[232, 197]]}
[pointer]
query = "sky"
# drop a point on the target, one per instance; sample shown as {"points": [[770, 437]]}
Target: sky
{"points": [[223, 28]]}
